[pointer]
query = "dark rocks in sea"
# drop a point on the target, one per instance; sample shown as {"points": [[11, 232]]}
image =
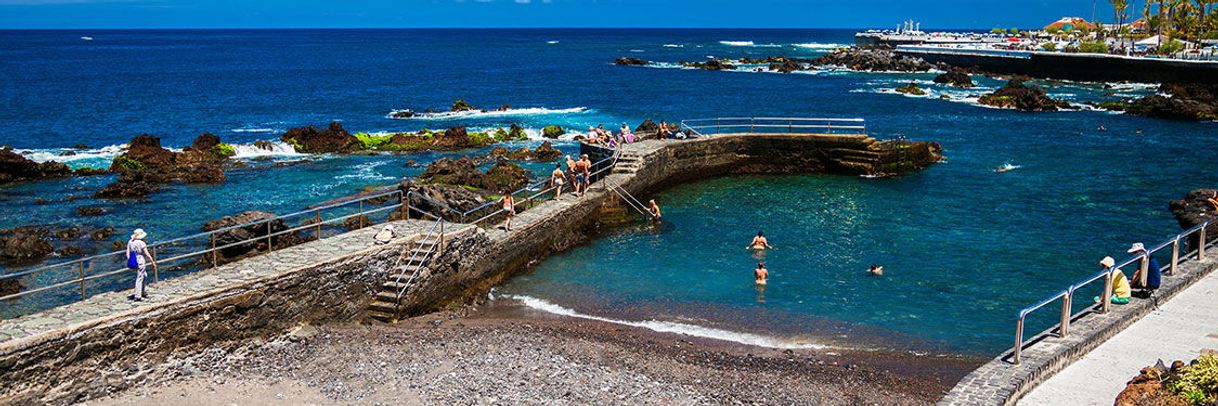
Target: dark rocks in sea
{"points": [[873, 59], [911, 89], [24, 246], [452, 139], [90, 211], [629, 61], [1195, 209], [552, 132], [145, 165], [457, 197], [711, 64], [1018, 95], [14, 167], [462, 105], [546, 152], [955, 77], [256, 232], [464, 172], [311, 140], [9, 286], [1184, 101]]}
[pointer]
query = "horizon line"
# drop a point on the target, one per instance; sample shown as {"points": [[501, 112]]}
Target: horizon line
{"points": [[465, 28]]}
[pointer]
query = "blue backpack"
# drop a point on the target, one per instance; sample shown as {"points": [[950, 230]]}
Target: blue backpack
{"points": [[133, 259]]}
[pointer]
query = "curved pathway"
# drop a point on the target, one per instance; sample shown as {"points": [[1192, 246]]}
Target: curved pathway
{"points": [[1177, 330]]}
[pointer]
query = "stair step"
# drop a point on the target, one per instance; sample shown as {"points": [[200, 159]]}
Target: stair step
{"points": [[388, 307], [383, 316], [387, 296], [394, 285]]}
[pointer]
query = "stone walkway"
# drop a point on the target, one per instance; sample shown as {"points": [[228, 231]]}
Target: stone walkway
{"points": [[1177, 330], [112, 303]]}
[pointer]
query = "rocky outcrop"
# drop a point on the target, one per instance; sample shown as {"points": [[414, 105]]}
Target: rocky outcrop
{"points": [[873, 59], [1152, 385], [1183, 102], [23, 246], [711, 64], [1017, 95], [955, 77], [629, 61], [458, 198], [552, 132], [14, 167], [310, 140], [1195, 209], [911, 89], [145, 166], [454, 138], [505, 176], [546, 152], [249, 232]]}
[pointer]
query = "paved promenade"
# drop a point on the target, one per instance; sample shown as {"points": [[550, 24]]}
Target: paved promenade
{"points": [[105, 306], [1177, 330]]}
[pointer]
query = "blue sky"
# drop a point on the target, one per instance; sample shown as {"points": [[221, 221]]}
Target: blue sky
{"points": [[538, 13]]}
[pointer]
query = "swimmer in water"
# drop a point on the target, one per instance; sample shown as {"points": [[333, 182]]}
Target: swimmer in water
{"points": [[654, 210], [761, 273], [876, 270], [759, 243]]}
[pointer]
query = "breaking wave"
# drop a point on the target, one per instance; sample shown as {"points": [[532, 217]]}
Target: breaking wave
{"points": [[471, 114], [674, 46], [672, 327], [277, 148], [817, 45], [748, 44]]}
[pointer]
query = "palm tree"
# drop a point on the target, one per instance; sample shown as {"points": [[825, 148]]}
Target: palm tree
{"points": [[1118, 11]]}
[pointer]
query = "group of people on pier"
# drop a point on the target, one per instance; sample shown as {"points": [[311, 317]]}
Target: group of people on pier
{"points": [[1122, 287]]}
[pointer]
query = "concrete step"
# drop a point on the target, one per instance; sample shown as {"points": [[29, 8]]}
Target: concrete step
{"points": [[387, 317], [386, 296], [394, 285], [386, 307]]}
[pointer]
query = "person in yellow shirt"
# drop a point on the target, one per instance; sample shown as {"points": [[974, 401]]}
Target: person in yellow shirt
{"points": [[1120, 284]]}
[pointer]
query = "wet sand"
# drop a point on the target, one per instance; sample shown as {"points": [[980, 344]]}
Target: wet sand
{"points": [[515, 355]]}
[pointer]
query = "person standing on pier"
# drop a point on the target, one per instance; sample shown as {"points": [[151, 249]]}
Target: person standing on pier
{"points": [[557, 179], [509, 209], [583, 170], [138, 259]]}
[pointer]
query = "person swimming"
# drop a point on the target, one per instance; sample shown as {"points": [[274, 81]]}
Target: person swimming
{"points": [[759, 243], [760, 274], [876, 270]]}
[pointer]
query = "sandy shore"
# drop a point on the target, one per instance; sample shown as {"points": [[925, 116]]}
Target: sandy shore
{"points": [[512, 355]]}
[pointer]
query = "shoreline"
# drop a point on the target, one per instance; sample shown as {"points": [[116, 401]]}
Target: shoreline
{"points": [[515, 354]]}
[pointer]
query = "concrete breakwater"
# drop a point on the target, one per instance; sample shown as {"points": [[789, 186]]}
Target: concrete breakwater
{"points": [[1071, 66], [105, 343]]}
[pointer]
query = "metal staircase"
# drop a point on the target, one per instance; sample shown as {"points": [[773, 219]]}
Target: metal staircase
{"points": [[387, 305], [628, 163]]}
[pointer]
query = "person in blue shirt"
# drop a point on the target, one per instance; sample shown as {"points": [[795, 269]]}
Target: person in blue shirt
{"points": [[1153, 272]]}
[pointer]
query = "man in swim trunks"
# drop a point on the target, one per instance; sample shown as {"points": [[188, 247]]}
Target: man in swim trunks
{"points": [[760, 274], [654, 209], [759, 242], [583, 170]]}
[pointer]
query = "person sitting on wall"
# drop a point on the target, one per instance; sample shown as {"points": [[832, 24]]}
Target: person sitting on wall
{"points": [[1120, 284], [1153, 271], [1213, 200]]}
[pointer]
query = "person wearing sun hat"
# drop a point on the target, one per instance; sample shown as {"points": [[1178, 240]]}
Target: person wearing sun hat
{"points": [[1153, 271], [1120, 284], [138, 259]]}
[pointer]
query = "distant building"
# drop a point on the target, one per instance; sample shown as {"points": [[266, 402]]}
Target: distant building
{"points": [[1069, 24], [1139, 25]]}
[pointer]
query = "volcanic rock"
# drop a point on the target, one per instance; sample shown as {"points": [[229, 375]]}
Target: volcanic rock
{"points": [[448, 171], [14, 167], [546, 152], [24, 246], [629, 61], [456, 197], [873, 59], [248, 232], [552, 132], [956, 77], [1186, 102], [712, 64], [334, 139], [1017, 95], [506, 176], [912, 89]]}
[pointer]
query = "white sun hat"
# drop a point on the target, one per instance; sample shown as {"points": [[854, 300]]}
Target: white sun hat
{"points": [[138, 234], [1108, 262], [1137, 246]]}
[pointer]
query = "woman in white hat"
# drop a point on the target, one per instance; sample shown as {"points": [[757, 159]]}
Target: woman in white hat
{"points": [[1120, 284], [138, 259]]}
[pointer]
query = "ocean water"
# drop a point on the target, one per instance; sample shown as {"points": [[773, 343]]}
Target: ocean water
{"points": [[964, 247]]}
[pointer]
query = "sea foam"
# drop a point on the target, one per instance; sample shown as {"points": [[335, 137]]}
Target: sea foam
{"points": [[671, 327], [817, 45], [457, 115]]}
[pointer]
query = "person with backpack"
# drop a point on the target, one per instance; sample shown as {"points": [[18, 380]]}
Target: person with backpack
{"points": [[138, 259]]}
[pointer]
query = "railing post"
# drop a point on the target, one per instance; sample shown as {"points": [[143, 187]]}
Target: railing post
{"points": [[752, 124], [214, 260], [1201, 240], [156, 274], [361, 214], [269, 246], [1065, 319], [830, 128], [717, 129], [1175, 255], [1142, 266], [82, 279], [1018, 339], [317, 217], [1106, 299]]}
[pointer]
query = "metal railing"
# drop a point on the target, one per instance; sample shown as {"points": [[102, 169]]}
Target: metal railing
{"points": [[1105, 303], [415, 258], [208, 257], [779, 125]]}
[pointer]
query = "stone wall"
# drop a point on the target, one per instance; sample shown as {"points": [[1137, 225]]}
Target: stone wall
{"points": [[116, 351]]}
